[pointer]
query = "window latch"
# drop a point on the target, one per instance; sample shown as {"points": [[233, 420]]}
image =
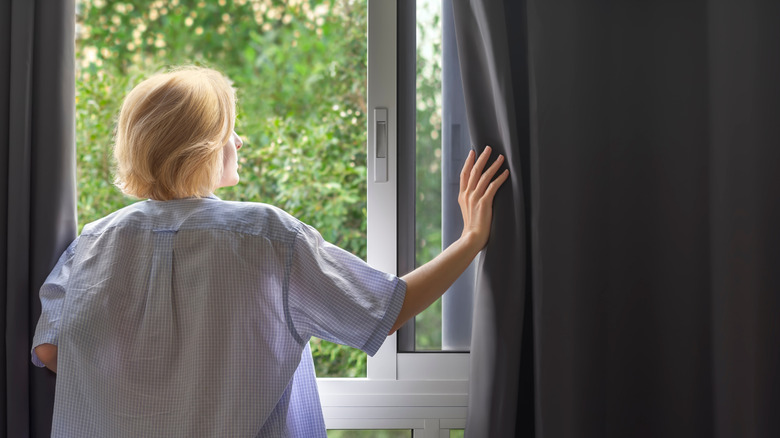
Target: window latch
{"points": [[380, 144]]}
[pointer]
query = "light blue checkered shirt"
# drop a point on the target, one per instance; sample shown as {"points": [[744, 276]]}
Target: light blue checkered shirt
{"points": [[192, 318]]}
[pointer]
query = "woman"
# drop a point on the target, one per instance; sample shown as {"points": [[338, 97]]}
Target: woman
{"points": [[186, 315]]}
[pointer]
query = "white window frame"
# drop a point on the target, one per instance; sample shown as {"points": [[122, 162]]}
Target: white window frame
{"points": [[424, 392]]}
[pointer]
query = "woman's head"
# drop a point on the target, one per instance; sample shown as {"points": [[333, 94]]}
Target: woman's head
{"points": [[170, 134]]}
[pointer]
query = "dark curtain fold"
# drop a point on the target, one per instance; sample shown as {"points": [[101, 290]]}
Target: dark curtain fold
{"points": [[37, 191], [493, 58], [643, 139]]}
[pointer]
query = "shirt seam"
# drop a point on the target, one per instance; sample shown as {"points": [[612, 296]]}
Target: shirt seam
{"points": [[286, 290], [259, 233]]}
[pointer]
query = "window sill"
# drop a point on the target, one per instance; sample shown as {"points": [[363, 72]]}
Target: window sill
{"points": [[424, 405]]}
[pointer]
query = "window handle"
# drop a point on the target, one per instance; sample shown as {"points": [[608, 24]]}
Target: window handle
{"points": [[380, 144]]}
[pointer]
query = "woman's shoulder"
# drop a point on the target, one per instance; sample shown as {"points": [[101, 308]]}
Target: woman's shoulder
{"points": [[250, 218], [111, 219], [255, 213]]}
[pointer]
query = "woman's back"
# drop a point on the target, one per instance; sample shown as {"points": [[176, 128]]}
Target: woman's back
{"points": [[180, 319]]}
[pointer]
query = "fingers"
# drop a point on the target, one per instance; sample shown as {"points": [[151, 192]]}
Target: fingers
{"points": [[473, 179], [476, 170], [487, 176], [490, 193], [466, 171]]}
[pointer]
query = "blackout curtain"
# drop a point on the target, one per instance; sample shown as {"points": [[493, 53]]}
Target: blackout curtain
{"points": [[631, 286], [37, 192]]}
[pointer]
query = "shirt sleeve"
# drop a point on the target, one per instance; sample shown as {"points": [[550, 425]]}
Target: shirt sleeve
{"points": [[52, 296], [336, 296]]}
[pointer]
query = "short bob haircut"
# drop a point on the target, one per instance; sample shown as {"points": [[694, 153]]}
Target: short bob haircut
{"points": [[170, 134]]}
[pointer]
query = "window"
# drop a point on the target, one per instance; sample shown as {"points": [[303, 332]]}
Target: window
{"points": [[427, 392]]}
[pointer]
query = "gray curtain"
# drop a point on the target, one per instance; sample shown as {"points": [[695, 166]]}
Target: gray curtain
{"points": [[501, 388], [631, 286], [37, 192]]}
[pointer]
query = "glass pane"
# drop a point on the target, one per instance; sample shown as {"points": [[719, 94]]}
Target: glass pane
{"points": [[300, 72], [456, 433], [442, 146], [428, 158], [372, 433]]}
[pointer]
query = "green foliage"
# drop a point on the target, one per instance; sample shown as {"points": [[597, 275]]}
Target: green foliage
{"points": [[300, 70], [337, 360]]}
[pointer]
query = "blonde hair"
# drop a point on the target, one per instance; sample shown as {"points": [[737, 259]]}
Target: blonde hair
{"points": [[170, 134]]}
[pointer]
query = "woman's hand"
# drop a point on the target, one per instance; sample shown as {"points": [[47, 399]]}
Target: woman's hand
{"points": [[477, 190], [428, 282]]}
